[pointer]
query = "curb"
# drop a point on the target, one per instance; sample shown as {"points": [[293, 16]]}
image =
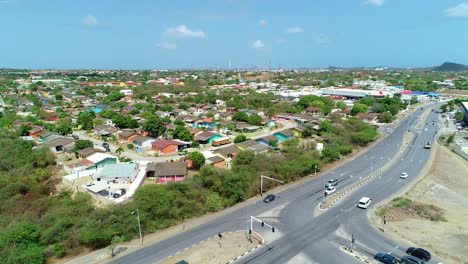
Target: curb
{"points": [[247, 252]]}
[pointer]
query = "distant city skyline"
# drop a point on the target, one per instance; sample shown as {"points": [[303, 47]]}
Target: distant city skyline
{"points": [[144, 34]]}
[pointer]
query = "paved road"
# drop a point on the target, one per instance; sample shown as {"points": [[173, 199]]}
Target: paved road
{"points": [[304, 233]]}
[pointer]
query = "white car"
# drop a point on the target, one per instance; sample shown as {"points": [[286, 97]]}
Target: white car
{"points": [[404, 175], [330, 190], [425, 129]]}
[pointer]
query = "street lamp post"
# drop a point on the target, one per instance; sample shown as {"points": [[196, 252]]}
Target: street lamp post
{"points": [[261, 183], [347, 233], [139, 225]]}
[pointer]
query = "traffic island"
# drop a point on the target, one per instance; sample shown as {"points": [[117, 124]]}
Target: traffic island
{"points": [[331, 200], [220, 249]]}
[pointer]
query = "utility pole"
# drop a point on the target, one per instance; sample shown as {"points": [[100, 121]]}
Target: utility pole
{"points": [[261, 183], [139, 225]]}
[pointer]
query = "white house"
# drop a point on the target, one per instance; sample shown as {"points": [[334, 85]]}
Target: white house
{"points": [[126, 92]]}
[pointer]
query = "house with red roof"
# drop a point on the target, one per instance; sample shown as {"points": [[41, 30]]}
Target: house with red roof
{"points": [[165, 147]]}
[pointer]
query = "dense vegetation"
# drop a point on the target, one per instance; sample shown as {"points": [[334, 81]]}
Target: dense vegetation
{"points": [[37, 223]]}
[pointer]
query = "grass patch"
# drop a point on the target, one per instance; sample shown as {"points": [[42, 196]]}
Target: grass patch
{"points": [[400, 202], [401, 208]]}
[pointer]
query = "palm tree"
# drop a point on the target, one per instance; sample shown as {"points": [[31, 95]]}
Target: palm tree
{"points": [[119, 151]]}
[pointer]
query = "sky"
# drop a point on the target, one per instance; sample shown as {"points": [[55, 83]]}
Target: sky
{"points": [[156, 34]]}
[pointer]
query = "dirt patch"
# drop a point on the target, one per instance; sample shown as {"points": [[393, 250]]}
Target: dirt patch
{"points": [[433, 213], [218, 250], [402, 208]]}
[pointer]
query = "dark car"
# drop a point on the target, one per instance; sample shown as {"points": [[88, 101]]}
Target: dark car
{"points": [[412, 260], [119, 193], [269, 198], [75, 137], [105, 145], [419, 252], [331, 182], [385, 258]]}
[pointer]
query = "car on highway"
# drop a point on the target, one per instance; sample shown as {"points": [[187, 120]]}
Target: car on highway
{"points": [[364, 202], [331, 182], [404, 175], [411, 260], [330, 190], [385, 258], [419, 253], [269, 198]]}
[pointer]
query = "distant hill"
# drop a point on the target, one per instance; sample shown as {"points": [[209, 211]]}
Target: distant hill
{"points": [[450, 66]]}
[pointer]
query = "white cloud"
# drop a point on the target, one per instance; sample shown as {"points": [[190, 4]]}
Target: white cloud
{"points": [[183, 31], [167, 46], [374, 2], [294, 30], [460, 10], [321, 39], [90, 21], [258, 44], [263, 22]]}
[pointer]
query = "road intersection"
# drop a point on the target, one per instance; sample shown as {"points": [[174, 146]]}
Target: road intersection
{"points": [[306, 234]]}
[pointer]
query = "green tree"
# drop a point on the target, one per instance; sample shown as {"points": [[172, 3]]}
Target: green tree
{"points": [[197, 159], [378, 108], [182, 133], [64, 126], [358, 108], [119, 151], [85, 120], [459, 116], [255, 120], [116, 240], [385, 117], [155, 127], [330, 154], [363, 137], [82, 144], [240, 138], [114, 96], [393, 109], [178, 122], [326, 126], [214, 202], [240, 116], [341, 105], [24, 130]]}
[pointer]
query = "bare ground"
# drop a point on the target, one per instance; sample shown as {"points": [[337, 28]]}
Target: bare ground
{"points": [[443, 186]]}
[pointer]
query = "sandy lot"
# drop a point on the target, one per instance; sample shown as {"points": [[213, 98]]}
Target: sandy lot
{"points": [[215, 250], [444, 183]]}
